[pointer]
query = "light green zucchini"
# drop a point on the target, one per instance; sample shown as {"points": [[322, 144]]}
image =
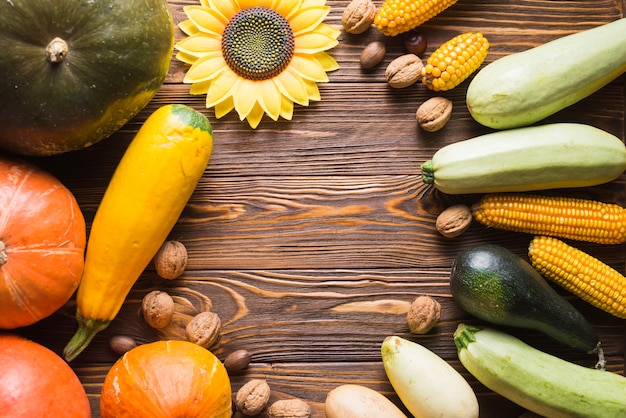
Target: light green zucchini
{"points": [[526, 87], [540, 382], [558, 155]]}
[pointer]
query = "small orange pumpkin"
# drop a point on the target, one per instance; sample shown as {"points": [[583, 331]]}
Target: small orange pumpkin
{"points": [[36, 382], [42, 244], [167, 379]]}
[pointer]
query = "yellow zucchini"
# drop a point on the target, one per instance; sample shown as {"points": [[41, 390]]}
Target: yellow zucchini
{"points": [[550, 156], [144, 199], [523, 88]]}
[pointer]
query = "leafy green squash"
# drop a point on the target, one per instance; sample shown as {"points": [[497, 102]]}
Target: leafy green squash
{"points": [[75, 71]]}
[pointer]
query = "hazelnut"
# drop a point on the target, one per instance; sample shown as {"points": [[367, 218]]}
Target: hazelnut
{"points": [[204, 329], [454, 220], [358, 16], [372, 54], [434, 113], [253, 397], [289, 408], [120, 344], [158, 309], [424, 313], [171, 260], [404, 71], [237, 360]]}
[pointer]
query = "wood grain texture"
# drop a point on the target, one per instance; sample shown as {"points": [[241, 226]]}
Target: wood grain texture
{"points": [[311, 237]]}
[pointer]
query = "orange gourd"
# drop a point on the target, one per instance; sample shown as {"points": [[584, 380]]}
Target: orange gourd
{"points": [[167, 379], [36, 382], [42, 244]]}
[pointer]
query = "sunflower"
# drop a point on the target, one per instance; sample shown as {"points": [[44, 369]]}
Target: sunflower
{"points": [[257, 56]]}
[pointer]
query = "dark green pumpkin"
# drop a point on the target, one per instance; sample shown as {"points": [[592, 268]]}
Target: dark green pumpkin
{"points": [[118, 54], [497, 286]]}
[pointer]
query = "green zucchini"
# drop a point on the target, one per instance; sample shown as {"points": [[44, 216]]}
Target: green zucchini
{"points": [[542, 383], [494, 284], [526, 87], [540, 157]]}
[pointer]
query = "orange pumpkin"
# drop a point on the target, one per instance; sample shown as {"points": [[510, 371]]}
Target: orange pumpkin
{"points": [[36, 382], [167, 379], [42, 244]]}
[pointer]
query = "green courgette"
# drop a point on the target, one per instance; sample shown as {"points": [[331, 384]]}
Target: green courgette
{"points": [[550, 156], [526, 87], [542, 383], [494, 284]]}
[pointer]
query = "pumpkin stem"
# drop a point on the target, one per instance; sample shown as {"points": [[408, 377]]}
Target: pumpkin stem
{"points": [[56, 50], [3, 254], [87, 329]]}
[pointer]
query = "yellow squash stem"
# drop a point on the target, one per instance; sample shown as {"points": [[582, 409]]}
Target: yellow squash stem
{"points": [[147, 193]]}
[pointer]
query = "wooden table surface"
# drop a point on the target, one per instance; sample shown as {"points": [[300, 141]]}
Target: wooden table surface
{"points": [[310, 238]]}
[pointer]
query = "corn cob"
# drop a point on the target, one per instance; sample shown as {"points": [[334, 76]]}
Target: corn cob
{"points": [[564, 217], [397, 16], [454, 61], [580, 273]]}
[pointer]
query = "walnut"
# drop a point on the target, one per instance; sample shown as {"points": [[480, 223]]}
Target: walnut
{"points": [[157, 308], [454, 220], [434, 113], [404, 71], [237, 360], [171, 260], [424, 313], [372, 54], [204, 329], [289, 408], [253, 397], [358, 16]]}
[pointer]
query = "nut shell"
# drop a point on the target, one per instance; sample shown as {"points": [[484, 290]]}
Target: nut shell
{"points": [[237, 360], [253, 397], [434, 113], [171, 260], [372, 54], [358, 16], [404, 71], [454, 220], [424, 313], [157, 308], [204, 329], [289, 408]]}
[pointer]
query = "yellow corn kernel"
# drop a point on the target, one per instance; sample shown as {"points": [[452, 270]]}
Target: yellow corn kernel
{"points": [[580, 273], [454, 61], [564, 217], [397, 16]]}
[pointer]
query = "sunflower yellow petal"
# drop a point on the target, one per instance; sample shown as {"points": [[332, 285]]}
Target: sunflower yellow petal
{"points": [[330, 31], [221, 88], [188, 27], [326, 61], [227, 8], [186, 58], [313, 42], [287, 8], [200, 88], [245, 96], [199, 45], [205, 68], [310, 3], [313, 91], [269, 98], [224, 107], [205, 19], [286, 108], [244, 4], [292, 86], [308, 19], [308, 68], [254, 116]]}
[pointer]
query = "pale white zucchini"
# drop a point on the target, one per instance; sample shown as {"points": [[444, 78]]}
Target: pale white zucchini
{"points": [[357, 401], [550, 156], [526, 87], [426, 384], [540, 382]]}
